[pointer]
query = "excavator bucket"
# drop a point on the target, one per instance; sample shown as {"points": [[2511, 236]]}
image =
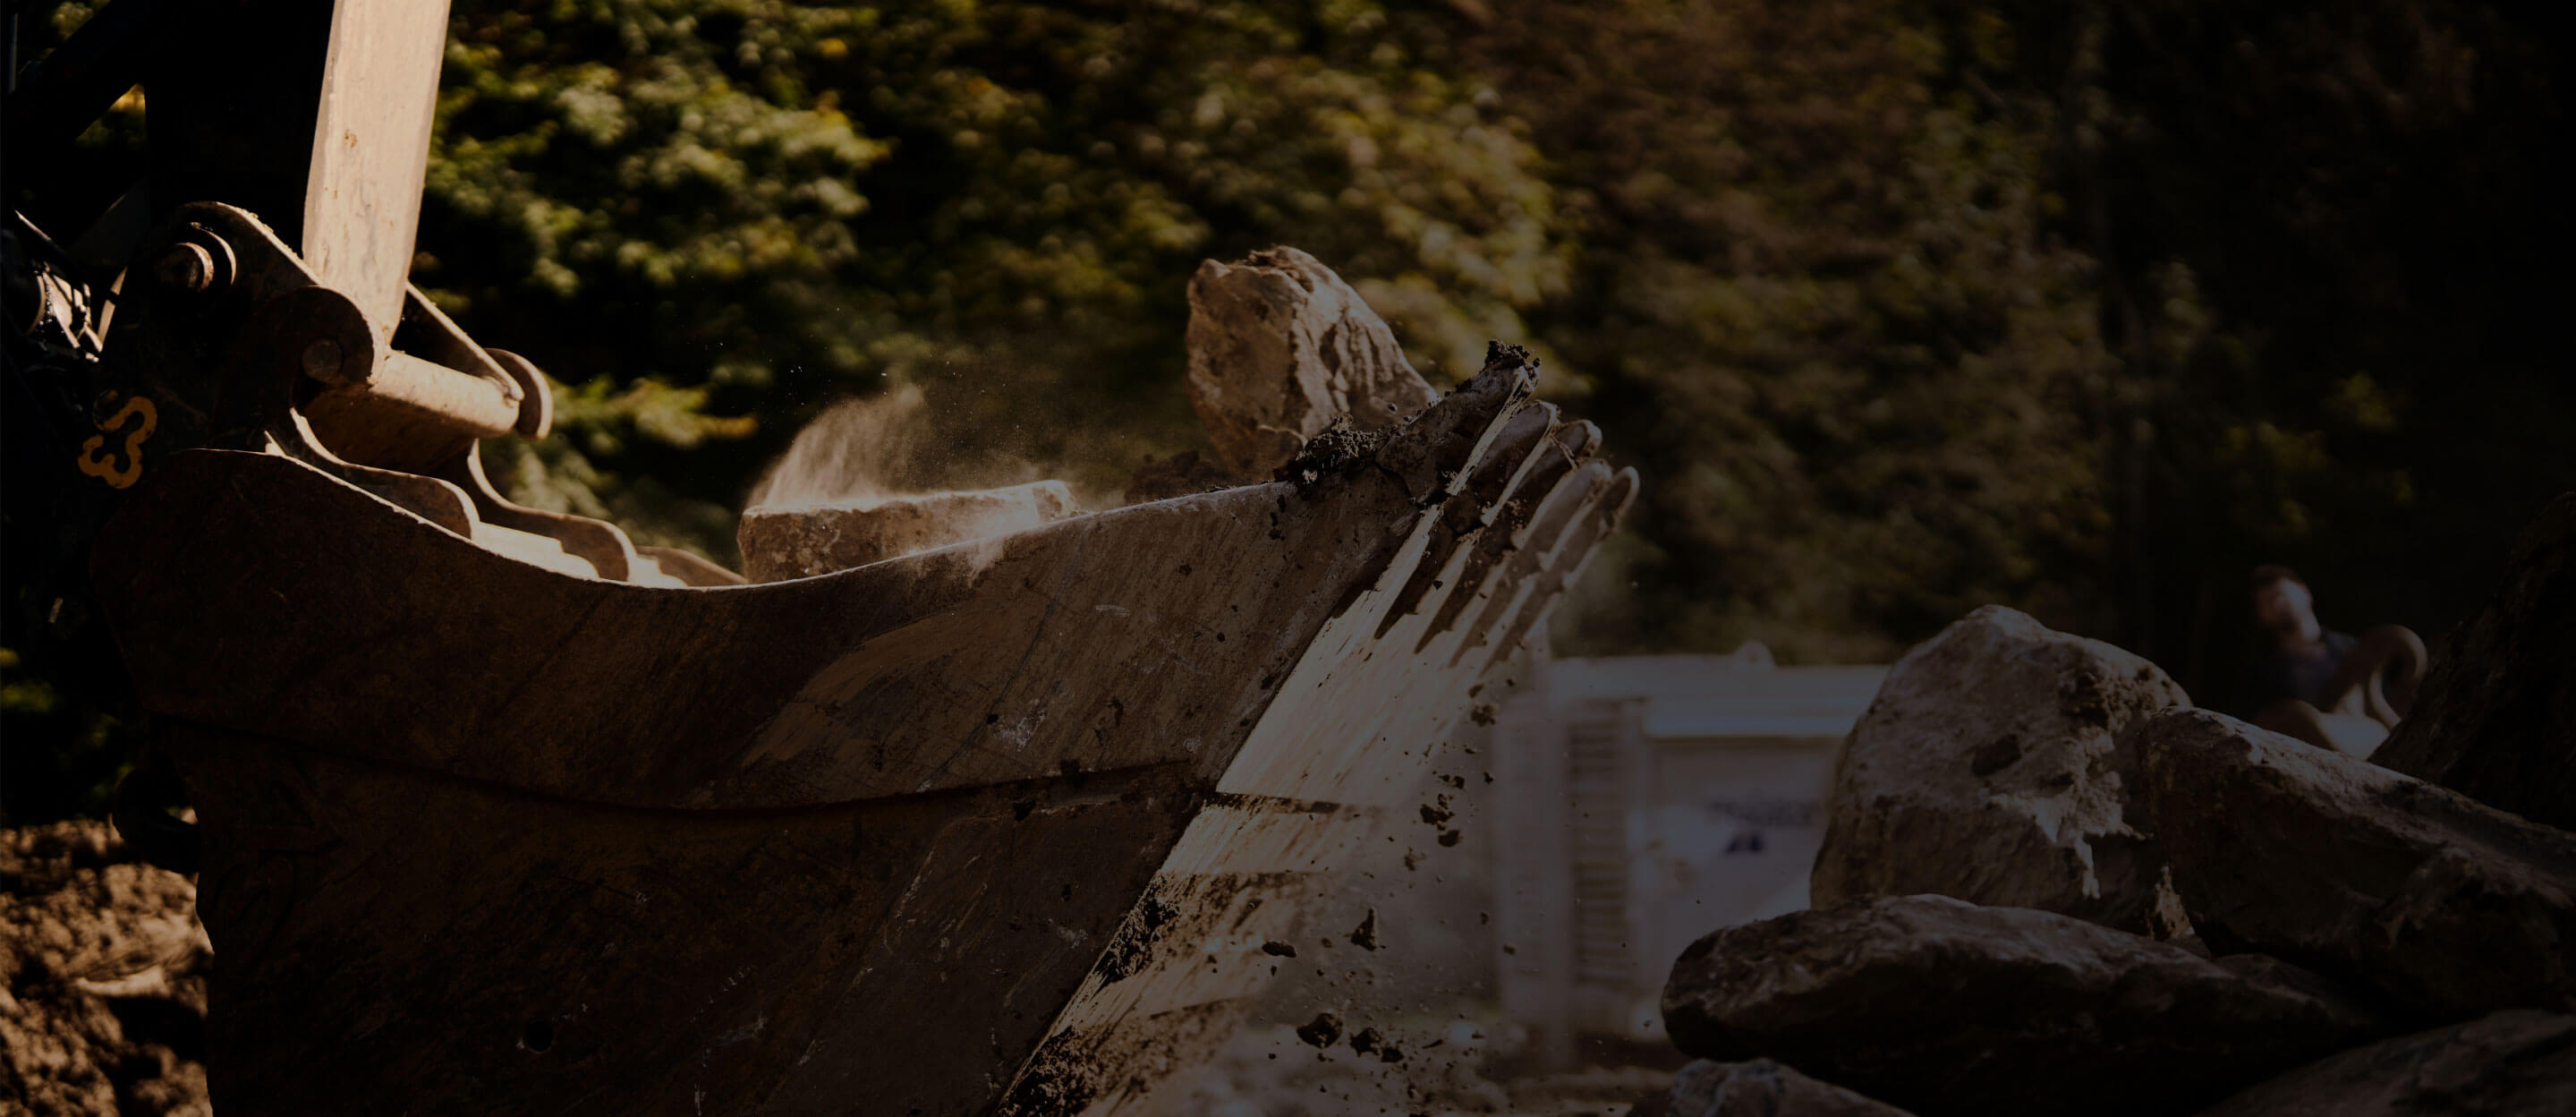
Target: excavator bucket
{"points": [[498, 813]]}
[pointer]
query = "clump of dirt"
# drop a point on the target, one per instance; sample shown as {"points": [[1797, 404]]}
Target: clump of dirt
{"points": [[1364, 936], [102, 977], [1336, 448], [1322, 1030]]}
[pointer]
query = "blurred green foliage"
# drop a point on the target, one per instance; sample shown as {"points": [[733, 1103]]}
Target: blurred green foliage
{"points": [[1823, 296], [2086, 308], [60, 755], [745, 208], [2334, 262], [1902, 306]]}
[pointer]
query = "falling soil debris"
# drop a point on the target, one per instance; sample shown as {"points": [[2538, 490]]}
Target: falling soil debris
{"points": [[1367, 1042], [1322, 1031], [1364, 936], [1279, 948]]}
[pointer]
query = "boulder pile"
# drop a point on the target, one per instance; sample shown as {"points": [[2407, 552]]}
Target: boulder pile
{"points": [[2050, 885], [1998, 744]]}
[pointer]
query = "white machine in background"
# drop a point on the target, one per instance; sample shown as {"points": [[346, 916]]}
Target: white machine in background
{"points": [[1644, 802]]}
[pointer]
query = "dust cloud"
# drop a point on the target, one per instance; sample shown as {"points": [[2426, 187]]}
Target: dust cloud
{"points": [[854, 455]]}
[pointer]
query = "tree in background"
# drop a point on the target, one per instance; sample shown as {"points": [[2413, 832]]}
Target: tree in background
{"points": [[2335, 260], [746, 208], [1912, 305], [708, 219], [1902, 306], [1821, 298]]}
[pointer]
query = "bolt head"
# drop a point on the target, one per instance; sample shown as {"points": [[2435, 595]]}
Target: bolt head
{"points": [[186, 267], [322, 360]]}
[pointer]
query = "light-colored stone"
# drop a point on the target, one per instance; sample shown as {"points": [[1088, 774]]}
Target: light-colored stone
{"points": [[1279, 348], [1989, 768], [1760, 1088], [1938, 1005], [2450, 906], [2515, 1063], [802, 540]]}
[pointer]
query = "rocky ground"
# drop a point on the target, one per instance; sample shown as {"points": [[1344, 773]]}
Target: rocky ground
{"points": [[1427, 1065], [102, 984], [2050, 885]]}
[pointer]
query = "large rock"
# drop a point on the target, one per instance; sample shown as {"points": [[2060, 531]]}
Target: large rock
{"points": [[2496, 718], [1945, 1007], [1760, 1088], [801, 540], [2517, 1062], [102, 978], [2452, 907], [1989, 768], [1279, 348]]}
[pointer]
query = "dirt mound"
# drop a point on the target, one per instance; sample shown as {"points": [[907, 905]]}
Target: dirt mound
{"points": [[102, 977]]}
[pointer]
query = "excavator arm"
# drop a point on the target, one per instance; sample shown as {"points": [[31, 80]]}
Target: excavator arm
{"points": [[497, 812]]}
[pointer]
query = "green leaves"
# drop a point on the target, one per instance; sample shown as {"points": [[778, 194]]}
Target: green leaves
{"points": [[1904, 305], [1822, 304], [744, 207]]}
